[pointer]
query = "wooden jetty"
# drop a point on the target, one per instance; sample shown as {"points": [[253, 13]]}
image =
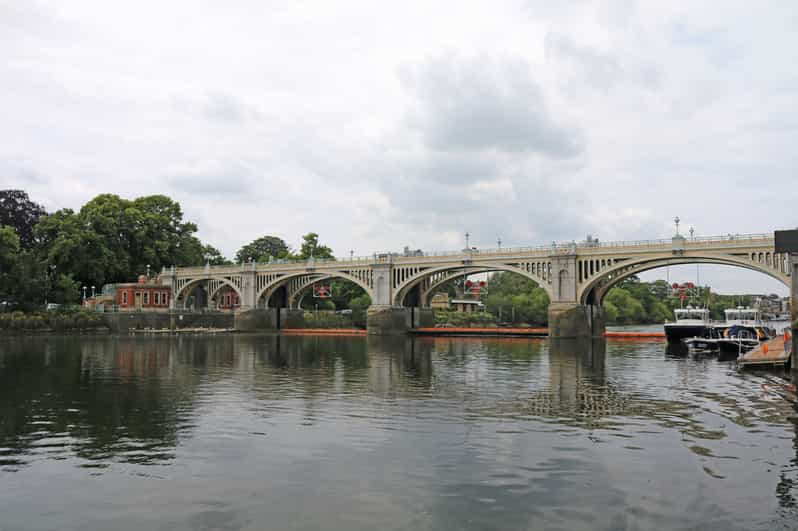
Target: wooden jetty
{"points": [[770, 353]]}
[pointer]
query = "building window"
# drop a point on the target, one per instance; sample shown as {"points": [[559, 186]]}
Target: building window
{"points": [[165, 298], [146, 298], [157, 297], [124, 298]]}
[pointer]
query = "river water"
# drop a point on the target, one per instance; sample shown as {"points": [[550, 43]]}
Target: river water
{"points": [[352, 433]]}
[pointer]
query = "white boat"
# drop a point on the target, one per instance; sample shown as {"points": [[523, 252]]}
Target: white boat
{"points": [[690, 322]]}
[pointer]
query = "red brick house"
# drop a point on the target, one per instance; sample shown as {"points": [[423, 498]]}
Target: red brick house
{"points": [[145, 295]]}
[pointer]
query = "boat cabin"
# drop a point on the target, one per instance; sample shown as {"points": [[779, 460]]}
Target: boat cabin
{"points": [[692, 315], [743, 316]]}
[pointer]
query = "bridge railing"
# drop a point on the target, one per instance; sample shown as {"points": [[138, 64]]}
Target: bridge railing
{"points": [[475, 252]]}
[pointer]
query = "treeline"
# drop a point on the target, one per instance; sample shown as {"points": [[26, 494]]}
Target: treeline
{"points": [[633, 302], [52, 256], [514, 299]]}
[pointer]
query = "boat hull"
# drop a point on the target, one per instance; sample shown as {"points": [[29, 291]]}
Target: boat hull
{"points": [[731, 348], [701, 344], [675, 333]]}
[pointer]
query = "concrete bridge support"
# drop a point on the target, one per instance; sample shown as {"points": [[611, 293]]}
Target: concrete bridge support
{"points": [[385, 319], [568, 318], [255, 320], [572, 320]]}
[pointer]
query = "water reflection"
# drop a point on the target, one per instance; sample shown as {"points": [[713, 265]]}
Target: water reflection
{"points": [[401, 432]]}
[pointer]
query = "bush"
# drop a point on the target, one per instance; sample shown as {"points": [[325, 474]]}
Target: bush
{"points": [[73, 319], [327, 319]]}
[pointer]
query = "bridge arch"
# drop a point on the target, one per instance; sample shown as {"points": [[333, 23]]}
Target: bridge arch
{"points": [[434, 277], [596, 288], [213, 286], [296, 282]]}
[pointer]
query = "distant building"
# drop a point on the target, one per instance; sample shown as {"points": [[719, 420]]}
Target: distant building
{"points": [[146, 295], [227, 299], [440, 301], [467, 305], [772, 305]]}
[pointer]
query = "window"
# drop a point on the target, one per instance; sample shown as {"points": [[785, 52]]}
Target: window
{"points": [[124, 298], [165, 298], [157, 298], [146, 297]]}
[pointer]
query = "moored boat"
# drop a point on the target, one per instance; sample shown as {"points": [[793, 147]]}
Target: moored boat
{"points": [[701, 344], [744, 331], [690, 322]]}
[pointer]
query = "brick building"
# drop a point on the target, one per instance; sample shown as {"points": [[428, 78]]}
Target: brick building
{"points": [[145, 296]]}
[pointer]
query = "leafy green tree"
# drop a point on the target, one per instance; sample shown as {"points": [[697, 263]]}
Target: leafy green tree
{"points": [[516, 298], [629, 309], [19, 212], [9, 250], [114, 240], [261, 249], [211, 255], [310, 247]]}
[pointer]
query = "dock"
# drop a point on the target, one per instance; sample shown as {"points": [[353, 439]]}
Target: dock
{"points": [[770, 353]]}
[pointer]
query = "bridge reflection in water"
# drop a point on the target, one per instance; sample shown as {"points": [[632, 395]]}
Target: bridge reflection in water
{"points": [[104, 403]]}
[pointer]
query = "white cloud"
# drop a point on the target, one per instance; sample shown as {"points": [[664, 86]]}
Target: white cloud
{"points": [[381, 125]]}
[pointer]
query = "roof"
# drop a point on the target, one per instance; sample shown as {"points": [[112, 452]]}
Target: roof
{"points": [[466, 301]]}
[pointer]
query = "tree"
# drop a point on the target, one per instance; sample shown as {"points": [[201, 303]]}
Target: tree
{"points": [[261, 249], [19, 212], [9, 249], [310, 247], [211, 255], [517, 298], [114, 240]]}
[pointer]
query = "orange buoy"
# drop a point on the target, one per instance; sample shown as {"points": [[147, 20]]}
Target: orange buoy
{"points": [[764, 348]]}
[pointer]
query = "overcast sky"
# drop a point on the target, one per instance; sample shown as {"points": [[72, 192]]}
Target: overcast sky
{"points": [[385, 124]]}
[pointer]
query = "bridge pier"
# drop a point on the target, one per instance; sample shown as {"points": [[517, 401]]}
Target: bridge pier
{"points": [[382, 320], [255, 320], [573, 320]]}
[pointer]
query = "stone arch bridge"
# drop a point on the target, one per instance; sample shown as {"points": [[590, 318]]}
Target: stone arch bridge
{"points": [[577, 276]]}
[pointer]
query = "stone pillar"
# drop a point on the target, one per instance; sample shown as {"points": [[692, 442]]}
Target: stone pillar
{"points": [[569, 319], [167, 278], [425, 318], [383, 320], [564, 278], [255, 320], [292, 318], [248, 290], [383, 292]]}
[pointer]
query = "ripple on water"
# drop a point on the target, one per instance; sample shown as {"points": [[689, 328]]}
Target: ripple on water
{"points": [[252, 431]]}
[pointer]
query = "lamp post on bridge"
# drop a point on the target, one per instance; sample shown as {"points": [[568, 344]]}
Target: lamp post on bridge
{"points": [[677, 220], [467, 244]]}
